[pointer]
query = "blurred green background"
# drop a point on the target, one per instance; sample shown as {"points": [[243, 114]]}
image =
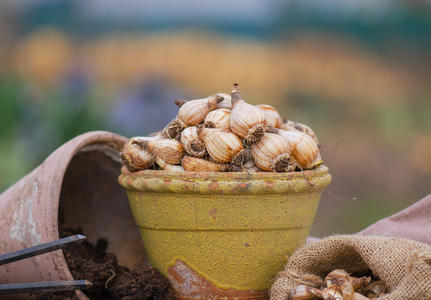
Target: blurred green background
{"points": [[357, 71]]}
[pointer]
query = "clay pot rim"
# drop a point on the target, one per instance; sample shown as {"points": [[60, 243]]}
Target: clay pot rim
{"points": [[161, 181]]}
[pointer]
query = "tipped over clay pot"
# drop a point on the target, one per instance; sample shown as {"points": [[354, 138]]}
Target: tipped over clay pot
{"points": [[76, 185]]}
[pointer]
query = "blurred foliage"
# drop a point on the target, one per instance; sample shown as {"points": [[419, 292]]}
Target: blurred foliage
{"points": [[361, 83], [34, 126]]}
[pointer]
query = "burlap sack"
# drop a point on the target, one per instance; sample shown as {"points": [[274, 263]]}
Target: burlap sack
{"points": [[404, 265]]}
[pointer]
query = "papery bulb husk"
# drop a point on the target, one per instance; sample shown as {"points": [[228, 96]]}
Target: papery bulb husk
{"points": [[296, 126], [331, 294], [288, 125], [156, 134], [305, 292], [246, 120], [304, 128], [340, 280], [227, 101], [180, 103], [243, 158], [239, 158], [155, 137], [248, 156], [173, 129], [193, 112], [169, 150], [135, 157], [273, 118], [304, 149], [218, 118], [168, 167], [253, 169], [193, 145], [194, 164], [223, 146], [249, 164], [250, 167], [272, 153]]}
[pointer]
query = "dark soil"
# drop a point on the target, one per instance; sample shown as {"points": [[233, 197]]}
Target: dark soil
{"points": [[142, 283], [110, 281]]}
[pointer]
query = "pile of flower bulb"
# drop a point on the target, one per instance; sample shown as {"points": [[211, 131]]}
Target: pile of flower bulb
{"points": [[225, 133]]}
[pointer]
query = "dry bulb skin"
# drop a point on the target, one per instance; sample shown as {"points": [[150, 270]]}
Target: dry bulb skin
{"points": [[340, 281], [296, 126], [219, 118], [360, 282], [223, 146], [169, 150], [195, 164], [227, 101], [272, 117], [248, 167], [339, 285], [192, 143], [304, 150], [168, 167], [154, 135], [224, 133], [191, 113], [374, 289], [180, 103], [134, 156], [303, 292], [246, 120], [252, 169], [272, 153], [328, 294], [173, 129]]}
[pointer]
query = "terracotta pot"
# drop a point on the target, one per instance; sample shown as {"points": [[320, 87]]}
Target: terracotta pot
{"points": [[223, 235], [76, 183]]}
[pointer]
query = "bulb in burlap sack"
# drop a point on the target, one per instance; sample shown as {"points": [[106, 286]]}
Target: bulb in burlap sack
{"points": [[304, 292]]}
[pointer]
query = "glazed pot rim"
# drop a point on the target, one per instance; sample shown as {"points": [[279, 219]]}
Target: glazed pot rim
{"points": [[204, 176], [160, 181]]}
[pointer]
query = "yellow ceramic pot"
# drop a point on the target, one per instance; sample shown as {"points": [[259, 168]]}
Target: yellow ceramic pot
{"points": [[223, 235]]}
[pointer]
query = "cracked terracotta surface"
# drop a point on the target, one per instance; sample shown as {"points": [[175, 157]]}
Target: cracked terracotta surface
{"points": [[73, 183]]}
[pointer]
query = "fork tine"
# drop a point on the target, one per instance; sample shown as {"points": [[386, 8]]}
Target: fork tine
{"points": [[40, 249]]}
